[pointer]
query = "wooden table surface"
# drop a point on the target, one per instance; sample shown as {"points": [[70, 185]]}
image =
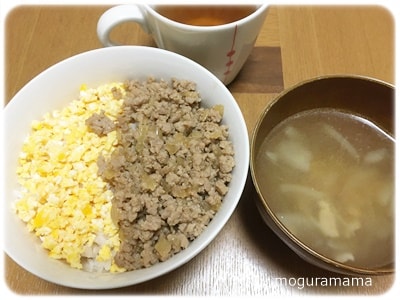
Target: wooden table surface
{"points": [[296, 43]]}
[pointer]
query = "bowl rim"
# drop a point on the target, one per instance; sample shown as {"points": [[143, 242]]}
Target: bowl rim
{"points": [[198, 245], [311, 80], [295, 242]]}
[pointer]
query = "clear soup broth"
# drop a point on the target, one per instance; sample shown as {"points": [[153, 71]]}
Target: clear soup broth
{"points": [[329, 178], [205, 15]]}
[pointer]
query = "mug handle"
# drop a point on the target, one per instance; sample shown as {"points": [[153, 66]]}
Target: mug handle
{"points": [[117, 15]]}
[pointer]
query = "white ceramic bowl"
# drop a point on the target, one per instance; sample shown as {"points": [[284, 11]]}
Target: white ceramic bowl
{"points": [[57, 86]]}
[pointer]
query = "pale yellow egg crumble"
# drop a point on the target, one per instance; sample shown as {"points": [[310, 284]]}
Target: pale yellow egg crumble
{"points": [[63, 200]]}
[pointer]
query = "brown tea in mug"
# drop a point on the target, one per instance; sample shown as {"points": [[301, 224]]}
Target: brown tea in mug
{"points": [[205, 15]]}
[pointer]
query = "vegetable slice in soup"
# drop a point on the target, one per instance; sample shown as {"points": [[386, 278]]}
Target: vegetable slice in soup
{"points": [[329, 177]]}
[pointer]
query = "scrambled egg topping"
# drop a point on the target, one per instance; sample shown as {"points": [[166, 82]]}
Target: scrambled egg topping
{"points": [[63, 200]]}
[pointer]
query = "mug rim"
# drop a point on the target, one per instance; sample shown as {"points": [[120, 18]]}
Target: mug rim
{"points": [[260, 9]]}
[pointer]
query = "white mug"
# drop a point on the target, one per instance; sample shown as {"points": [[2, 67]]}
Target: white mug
{"points": [[221, 48]]}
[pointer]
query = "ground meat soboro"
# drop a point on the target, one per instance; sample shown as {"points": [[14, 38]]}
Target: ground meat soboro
{"points": [[169, 172]]}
